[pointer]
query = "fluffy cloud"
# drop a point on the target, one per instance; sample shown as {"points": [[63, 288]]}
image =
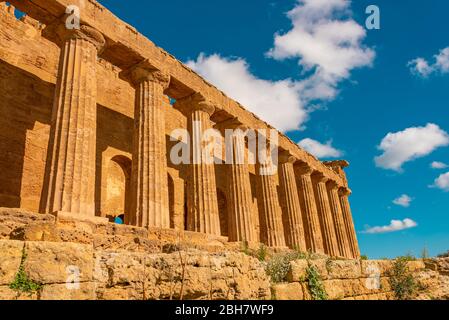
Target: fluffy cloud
{"points": [[327, 44], [395, 225], [277, 102], [438, 165], [442, 182], [407, 145], [424, 68], [320, 150], [403, 201]]}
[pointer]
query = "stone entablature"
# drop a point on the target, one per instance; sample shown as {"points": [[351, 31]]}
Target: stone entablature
{"points": [[303, 213]]}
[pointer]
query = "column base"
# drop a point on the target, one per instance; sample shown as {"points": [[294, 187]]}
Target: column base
{"points": [[61, 215]]}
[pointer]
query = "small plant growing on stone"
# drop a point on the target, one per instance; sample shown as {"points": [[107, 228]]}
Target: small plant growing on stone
{"points": [[22, 283], [262, 253], [315, 284], [363, 257], [402, 281], [279, 266]]}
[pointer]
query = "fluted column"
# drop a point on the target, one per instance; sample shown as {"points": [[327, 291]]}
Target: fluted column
{"points": [[349, 222], [202, 204], [314, 239], [149, 170], [292, 216], [241, 224], [325, 215], [70, 171], [337, 213], [270, 214]]}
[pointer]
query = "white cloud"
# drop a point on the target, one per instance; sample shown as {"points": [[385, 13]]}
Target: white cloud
{"points": [[395, 225], [403, 201], [410, 144], [326, 41], [442, 182], [424, 68], [438, 165], [320, 150], [327, 44], [277, 102]]}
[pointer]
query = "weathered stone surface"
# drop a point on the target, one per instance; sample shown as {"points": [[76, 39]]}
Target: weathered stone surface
{"points": [[297, 271], [373, 267], [51, 262], [83, 291], [343, 269], [287, 291], [10, 258], [20, 224]]}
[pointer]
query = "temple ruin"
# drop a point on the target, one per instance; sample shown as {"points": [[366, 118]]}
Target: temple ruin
{"points": [[87, 116]]}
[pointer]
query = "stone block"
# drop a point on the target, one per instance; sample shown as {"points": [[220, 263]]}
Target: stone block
{"points": [[374, 267], [10, 258], [297, 271], [52, 262], [287, 291], [84, 291], [343, 269]]}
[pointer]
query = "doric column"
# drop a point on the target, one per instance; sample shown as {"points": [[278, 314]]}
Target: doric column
{"points": [[270, 214], [346, 209], [314, 240], [325, 215], [70, 172], [290, 204], [202, 204], [337, 213], [149, 170], [241, 224]]}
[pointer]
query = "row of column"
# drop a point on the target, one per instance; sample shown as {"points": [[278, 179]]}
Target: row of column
{"points": [[310, 214]]}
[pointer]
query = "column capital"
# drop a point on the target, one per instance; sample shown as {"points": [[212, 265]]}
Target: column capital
{"points": [[194, 102], [304, 169], [85, 32], [144, 71], [332, 184], [344, 192], [286, 157], [320, 177]]}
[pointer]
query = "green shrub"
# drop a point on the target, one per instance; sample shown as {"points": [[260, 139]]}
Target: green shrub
{"points": [[363, 257], [279, 266], [315, 284], [402, 281], [21, 281]]}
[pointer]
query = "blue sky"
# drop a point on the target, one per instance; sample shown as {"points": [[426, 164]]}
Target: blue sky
{"points": [[374, 93]]}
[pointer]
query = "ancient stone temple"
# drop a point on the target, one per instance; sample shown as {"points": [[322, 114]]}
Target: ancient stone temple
{"points": [[89, 118]]}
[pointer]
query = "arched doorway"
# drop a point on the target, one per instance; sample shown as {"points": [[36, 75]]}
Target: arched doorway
{"points": [[118, 183], [223, 212]]}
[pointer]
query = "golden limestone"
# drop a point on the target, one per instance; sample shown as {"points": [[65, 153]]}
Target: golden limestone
{"points": [[116, 129]]}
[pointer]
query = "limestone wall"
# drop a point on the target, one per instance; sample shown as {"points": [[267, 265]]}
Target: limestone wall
{"points": [[123, 262]]}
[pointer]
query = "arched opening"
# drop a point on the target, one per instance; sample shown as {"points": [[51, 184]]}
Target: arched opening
{"points": [[223, 212], [117, 206]]}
